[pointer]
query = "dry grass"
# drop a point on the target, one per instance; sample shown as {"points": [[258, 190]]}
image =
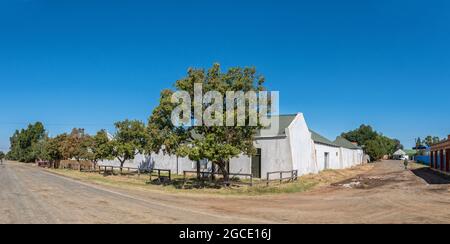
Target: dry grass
{"points": [[304, 184]]}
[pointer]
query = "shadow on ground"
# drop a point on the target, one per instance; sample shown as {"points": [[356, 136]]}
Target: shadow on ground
{"points": [[432, 177]]}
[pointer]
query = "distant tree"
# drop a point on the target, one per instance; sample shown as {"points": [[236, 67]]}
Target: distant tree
{"points": [[419, 142], [100, 148], [375, 144], [375, 149], [430, 140], [2, 156], [22, 142], [76, 145], [39, 149], [436, 140], [361, 135], [55, 148], [129, 140], [398, 145]]}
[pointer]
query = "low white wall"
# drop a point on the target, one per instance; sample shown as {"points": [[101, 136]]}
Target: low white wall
{"points": [[295, 151], [334, 158], [241, 165], [140, 161], [275, 155]]}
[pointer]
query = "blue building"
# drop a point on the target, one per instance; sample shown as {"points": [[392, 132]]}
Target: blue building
{"points": [[425, 158]]}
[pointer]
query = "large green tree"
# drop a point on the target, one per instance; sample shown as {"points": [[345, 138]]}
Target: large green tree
{"points": [[361, 135], [99, 147], [55, 148], [218, 143], [22, 142], [76, 145], [375, 144], [376, 148], [129, 140]]}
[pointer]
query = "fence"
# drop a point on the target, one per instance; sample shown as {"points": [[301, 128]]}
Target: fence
{"points": [[293, 176], [138, 171], [207, 175], [129, 170], [161, 179]]}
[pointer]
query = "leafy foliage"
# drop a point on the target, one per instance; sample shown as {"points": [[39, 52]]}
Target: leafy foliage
{"points": [[129, 140], [217, 144], [375, 144], [76, 145], [361, 135], [430, 140], [99, 147], [23, 141], [2, 155]]}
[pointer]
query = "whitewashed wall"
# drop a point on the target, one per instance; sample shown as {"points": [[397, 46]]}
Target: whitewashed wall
{"points": [[275, 155], [140, 161], [348, 156], [241, 165], [295, 151], [301, 146], [334, 159]]}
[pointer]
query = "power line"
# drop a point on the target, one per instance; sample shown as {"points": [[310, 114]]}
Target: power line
{"points": [[56, 124]]}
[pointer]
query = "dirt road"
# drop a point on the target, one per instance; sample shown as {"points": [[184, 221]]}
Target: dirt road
{"points": [[386, 194]]}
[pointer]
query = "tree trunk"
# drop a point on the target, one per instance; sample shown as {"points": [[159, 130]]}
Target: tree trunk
{"points": [[213, 171], [198, 170], [121, 165], [224, 171], [79, 164]]}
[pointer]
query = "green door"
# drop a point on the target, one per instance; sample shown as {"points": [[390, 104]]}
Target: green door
{"points": [[256, 164]]}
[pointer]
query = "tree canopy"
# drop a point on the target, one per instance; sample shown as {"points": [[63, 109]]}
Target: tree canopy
{"points": [[129, 140], [430, 140], [375, 144], [76, 145], [99, 147], [23, 141], [217, 144]]}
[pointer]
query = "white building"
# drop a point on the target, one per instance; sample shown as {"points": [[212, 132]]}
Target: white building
{"points": [[400, 155], [292, 147]]}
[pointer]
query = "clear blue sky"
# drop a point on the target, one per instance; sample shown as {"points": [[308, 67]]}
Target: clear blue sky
{"points": [[343, 63]]}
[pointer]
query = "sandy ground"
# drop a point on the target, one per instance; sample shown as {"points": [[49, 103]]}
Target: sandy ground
{"points": [[385, 194]]}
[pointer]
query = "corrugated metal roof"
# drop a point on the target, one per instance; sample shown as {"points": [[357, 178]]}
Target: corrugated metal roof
{"points": [[317, 138], [284, 122], [342, 142]]}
